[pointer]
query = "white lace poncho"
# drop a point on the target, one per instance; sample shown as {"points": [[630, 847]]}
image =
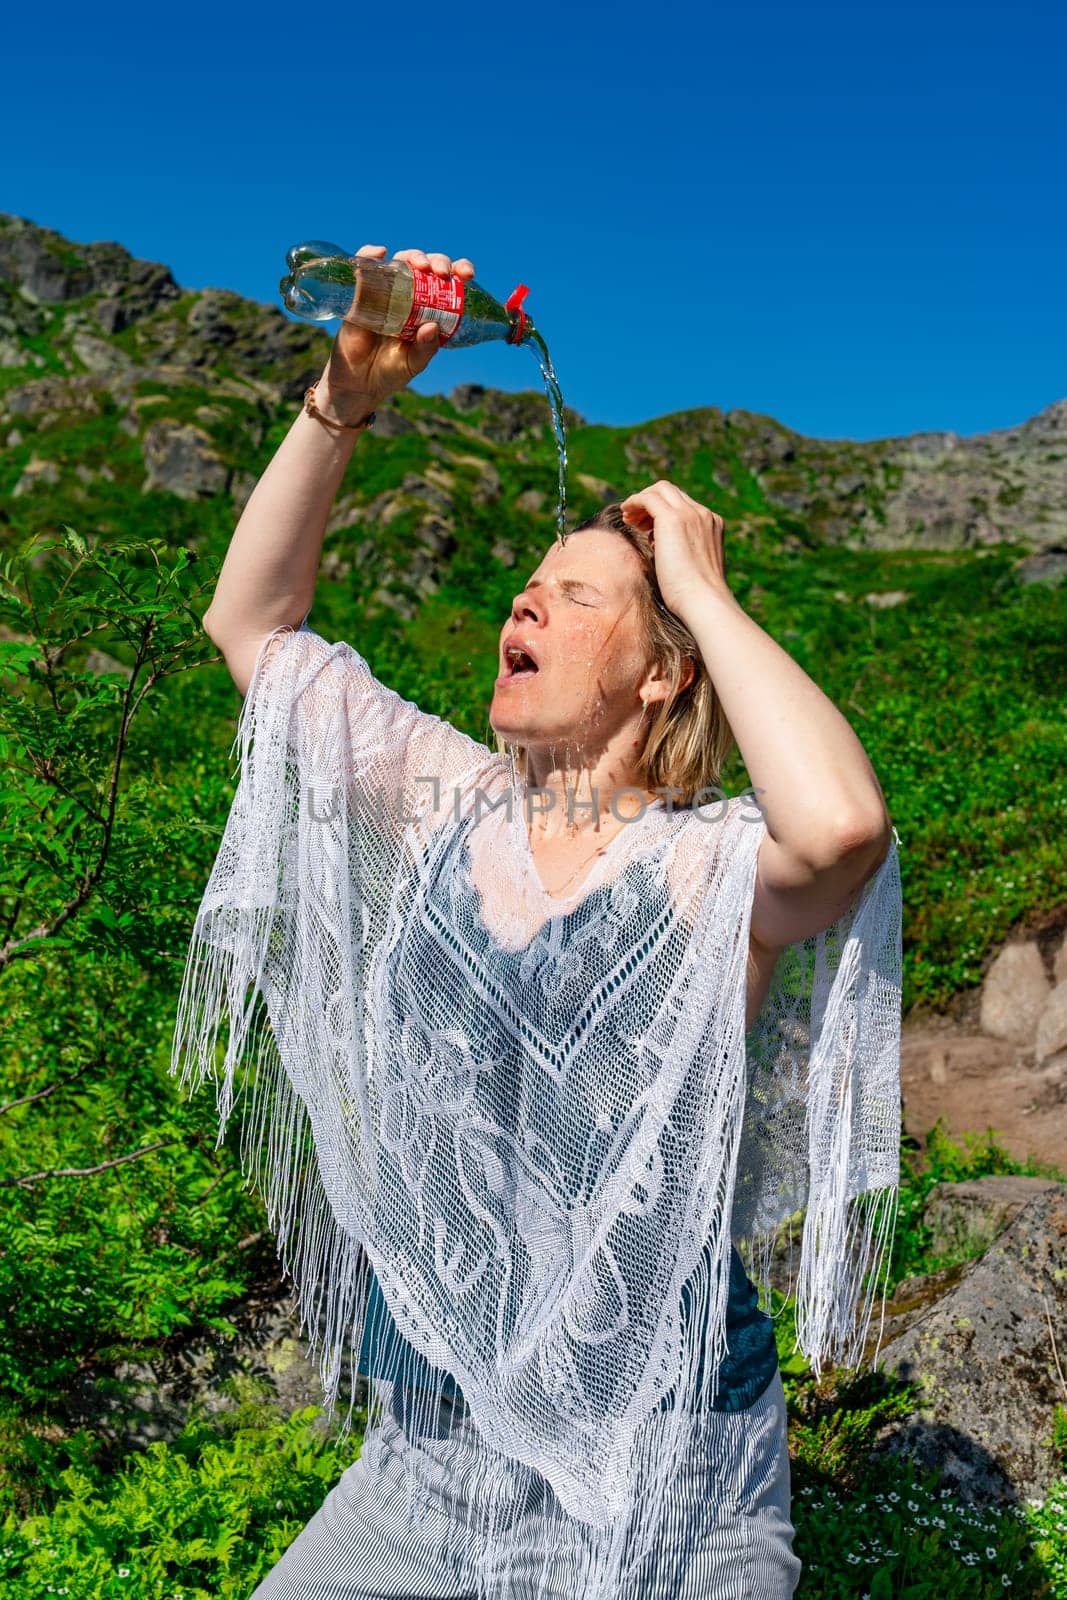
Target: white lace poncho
{"points": [[537, 1119]]}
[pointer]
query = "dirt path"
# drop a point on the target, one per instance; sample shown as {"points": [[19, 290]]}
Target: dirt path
{"points": [[973, 1082]]}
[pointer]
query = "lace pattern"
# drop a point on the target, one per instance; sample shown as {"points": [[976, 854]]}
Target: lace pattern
{"points": [[537, 1122]]}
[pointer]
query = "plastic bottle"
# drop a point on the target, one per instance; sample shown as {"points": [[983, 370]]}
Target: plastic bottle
{"points": [[394, 298]]}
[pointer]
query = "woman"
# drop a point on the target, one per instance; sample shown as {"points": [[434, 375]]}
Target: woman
{"points": [[547, 1035]]}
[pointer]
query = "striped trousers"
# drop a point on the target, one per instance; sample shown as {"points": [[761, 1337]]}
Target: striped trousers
{"points": [[727, 1535]]}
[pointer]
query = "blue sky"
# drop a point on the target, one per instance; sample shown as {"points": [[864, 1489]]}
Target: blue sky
{"points": [[850, 218]]}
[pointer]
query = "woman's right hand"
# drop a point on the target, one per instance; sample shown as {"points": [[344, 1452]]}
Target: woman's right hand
{"points": [[365, 367]]}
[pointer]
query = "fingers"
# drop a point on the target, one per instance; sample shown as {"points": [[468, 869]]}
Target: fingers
{"points": [[377, 250], [424, 347], [443, 265], [641, 509], [663, 495]]}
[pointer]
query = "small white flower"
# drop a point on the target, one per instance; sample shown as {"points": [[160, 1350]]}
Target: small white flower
{"points": [[990, 1553], [124, 1572]]}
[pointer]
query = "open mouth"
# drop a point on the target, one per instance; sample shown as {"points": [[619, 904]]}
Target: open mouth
{"points": [[518, 664]]}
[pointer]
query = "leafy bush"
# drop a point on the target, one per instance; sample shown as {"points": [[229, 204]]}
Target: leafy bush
{"points": [[203, 1518]]}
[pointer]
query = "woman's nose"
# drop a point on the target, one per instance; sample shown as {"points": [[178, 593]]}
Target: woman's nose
{"points": [[524, 605]]}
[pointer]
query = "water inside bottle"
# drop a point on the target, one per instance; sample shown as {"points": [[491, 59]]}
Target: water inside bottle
{"points": [[539, 350]]}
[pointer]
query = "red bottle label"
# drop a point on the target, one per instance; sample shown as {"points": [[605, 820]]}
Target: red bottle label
{"points": [[437, 300]]}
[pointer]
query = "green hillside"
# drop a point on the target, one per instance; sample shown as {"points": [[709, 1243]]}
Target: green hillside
{"points": [[917, 580]]}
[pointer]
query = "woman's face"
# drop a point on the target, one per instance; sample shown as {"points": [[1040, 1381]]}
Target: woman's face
{"points": [[578, 618]]}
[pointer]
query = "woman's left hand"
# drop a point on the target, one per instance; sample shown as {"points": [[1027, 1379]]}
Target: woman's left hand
{"points": [[687, 543]]}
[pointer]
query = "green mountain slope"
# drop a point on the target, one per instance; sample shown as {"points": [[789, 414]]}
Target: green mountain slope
{"points": [[898, 572]]}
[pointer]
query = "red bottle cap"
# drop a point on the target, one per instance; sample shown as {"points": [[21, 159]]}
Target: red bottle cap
{"points": [[513, 303]]}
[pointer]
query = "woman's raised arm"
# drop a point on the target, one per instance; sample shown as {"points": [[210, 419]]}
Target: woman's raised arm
{"points": [[268, 576]]}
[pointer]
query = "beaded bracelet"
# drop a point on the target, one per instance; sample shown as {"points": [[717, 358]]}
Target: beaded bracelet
{"points": [[336, 427]]}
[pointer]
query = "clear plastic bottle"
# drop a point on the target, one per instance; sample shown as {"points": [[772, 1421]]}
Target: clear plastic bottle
{"points": [[394, 298]]}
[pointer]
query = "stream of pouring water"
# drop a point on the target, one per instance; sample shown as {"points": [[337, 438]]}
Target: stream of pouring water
{"points": [[539, 350]]}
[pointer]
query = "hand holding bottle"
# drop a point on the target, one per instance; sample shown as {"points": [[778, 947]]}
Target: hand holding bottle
{"points": [[365, 368]]}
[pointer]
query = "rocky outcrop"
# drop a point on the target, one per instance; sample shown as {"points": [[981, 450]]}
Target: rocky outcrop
{"points": [[49, 268], [67, 307], [507, 418], [982, 1342], [180, 458]]}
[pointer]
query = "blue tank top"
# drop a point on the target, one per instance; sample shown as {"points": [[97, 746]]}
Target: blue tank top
{"points": [[750, 1362]]}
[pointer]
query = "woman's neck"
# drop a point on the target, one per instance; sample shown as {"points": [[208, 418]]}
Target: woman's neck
{"points": [[570, 804]]}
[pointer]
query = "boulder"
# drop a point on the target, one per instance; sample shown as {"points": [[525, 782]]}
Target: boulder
{"points": [[964, 1218], [1046, 566], [983, 1357], [1052, 1024], [1059, 962], [97, 354], [1014, 993], [180, 459]]}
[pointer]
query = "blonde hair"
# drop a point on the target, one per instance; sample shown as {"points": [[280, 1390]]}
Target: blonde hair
{"points": [[688, 739]]}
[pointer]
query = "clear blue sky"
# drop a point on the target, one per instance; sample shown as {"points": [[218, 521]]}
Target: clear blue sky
{"points": [[852, 218]]}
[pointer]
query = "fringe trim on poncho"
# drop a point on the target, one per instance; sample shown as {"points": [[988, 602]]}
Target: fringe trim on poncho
{"points": [[536, 1143]]}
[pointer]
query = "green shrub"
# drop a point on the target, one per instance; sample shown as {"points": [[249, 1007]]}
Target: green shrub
{"points": [[203, 1518]]}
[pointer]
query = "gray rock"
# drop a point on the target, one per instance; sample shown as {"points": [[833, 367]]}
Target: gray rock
{"points": [[46, 400], [389, 423], [180, 459], [504, 553], [468, 396], [53, 270], [36, 474], [983, 1357], [1047, 566], [890, 597], [965, 1218], [531, 501], [97, 354], [1014, 993], [12, 353], [1052, 1024]]}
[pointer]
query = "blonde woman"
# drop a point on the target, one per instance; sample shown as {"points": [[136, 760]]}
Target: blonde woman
{"points": [[546, 1032]]}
